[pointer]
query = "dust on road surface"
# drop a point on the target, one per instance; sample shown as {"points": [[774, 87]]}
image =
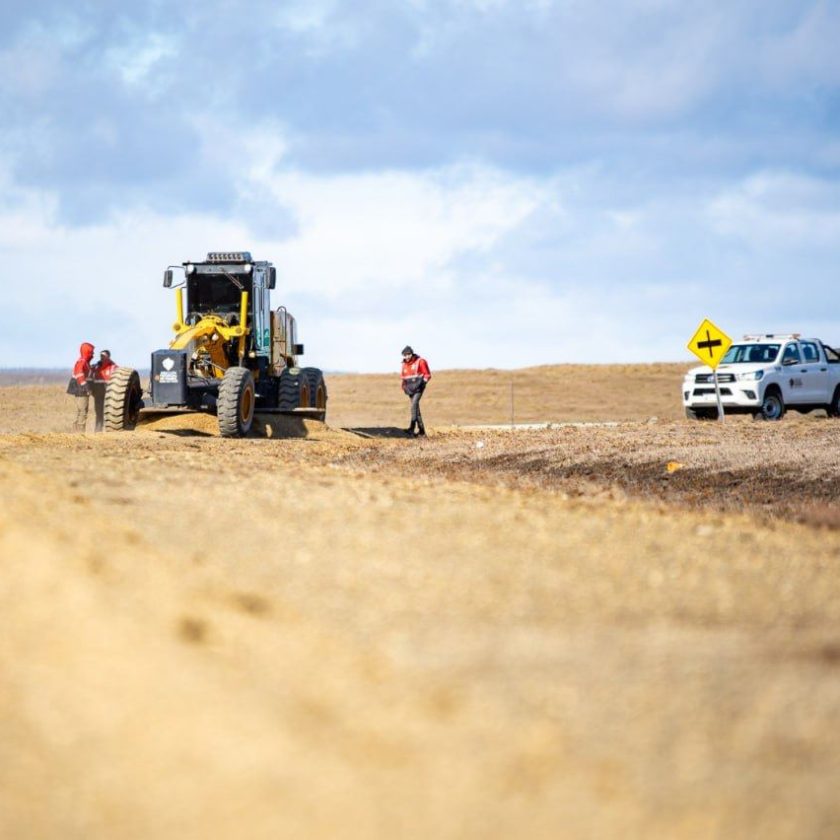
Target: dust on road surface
{"points": [[330, 636]]}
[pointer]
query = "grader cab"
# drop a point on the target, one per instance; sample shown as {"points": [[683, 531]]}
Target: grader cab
{"points": [[232, 354]]}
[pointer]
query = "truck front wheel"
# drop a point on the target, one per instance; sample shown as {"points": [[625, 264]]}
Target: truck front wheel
{"points": [[772, 406]]}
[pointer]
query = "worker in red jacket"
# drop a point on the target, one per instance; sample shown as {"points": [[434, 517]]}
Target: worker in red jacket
{"points": [[101, 374], [415, 377], [79, 386]]}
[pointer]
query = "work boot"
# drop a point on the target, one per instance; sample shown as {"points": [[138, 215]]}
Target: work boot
{"points": [[410, 430], [421, 430]]}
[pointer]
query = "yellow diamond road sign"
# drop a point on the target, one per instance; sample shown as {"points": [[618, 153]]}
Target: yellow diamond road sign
{"points": [[709, 344]]}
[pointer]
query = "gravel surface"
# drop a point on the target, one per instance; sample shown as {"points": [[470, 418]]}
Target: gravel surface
{"points": [[625, 631]]}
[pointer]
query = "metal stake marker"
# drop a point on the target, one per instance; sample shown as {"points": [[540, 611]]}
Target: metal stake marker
{"points": [[511, 404], [717, 394]]}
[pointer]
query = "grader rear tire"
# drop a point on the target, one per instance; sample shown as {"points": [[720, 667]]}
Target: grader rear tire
{"points": [[123, 398], [293, 390], [317, 389], [237, 400]]}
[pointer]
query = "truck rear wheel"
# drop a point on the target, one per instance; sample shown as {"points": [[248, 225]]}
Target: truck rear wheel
{"points": [[834, 405], [772, 406], [123, 399], [236, 403]]}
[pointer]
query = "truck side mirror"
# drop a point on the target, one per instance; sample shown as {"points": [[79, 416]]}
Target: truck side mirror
{"points": [[167, 279], [272, 277], [298, 349]]}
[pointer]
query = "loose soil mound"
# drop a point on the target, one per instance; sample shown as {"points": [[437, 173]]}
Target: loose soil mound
{"points": [[265, 426]]}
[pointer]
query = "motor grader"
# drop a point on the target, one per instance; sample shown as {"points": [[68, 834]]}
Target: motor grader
{"points": [[231, 355]]}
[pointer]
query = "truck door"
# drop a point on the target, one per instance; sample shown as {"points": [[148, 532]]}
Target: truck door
{"points": [[791, 378], [814, 371], [262, 331]]}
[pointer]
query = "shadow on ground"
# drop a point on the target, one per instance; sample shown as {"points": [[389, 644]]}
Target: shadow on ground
{"points": [[377, 431]]}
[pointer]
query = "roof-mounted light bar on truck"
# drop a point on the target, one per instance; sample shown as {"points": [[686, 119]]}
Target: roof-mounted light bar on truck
{"points": [[762, 336], [229, 257]]}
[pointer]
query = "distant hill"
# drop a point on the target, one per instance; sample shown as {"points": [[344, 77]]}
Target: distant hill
{"points": [[528, 395], [33, 376]]}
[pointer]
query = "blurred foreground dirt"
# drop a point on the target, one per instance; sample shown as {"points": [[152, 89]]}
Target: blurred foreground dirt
{"points": [[492, 634]]}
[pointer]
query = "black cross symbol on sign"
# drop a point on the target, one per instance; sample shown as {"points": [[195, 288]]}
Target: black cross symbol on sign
{"points": [[708, 344]]}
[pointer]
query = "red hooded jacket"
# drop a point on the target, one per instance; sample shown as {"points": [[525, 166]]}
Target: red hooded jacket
{"points": [[415, 375], [103, 371], [81, 371]]}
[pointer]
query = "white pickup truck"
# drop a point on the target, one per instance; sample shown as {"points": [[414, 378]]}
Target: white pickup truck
{"points": [[764, 375]]}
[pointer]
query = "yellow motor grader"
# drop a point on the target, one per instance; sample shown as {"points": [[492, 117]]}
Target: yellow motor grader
{"points": [[231, 355]]}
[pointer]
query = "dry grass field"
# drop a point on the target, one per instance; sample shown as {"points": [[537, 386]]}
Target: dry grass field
{"points": [[624, 630]]}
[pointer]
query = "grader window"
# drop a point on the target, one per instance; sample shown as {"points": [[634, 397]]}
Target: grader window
{"points": [[215, 294]]}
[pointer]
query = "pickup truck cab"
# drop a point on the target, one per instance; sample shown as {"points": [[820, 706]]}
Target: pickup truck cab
{"points": [[764, 375]]}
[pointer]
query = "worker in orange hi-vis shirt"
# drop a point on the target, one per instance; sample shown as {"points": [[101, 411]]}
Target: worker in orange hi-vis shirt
{"points": [[79, 386], [415, 377]]}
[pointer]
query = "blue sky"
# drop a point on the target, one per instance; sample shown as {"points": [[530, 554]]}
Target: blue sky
{"points": [[498, 183]]}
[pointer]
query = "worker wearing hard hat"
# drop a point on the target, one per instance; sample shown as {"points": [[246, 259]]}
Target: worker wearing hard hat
{"points": [[101, 372], [415, 377], [79, 385]]}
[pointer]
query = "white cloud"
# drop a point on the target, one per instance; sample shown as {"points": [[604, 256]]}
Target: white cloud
{"points": [[395, 230], [477, 267], [136, 60], [359, 236], [781, 210]]}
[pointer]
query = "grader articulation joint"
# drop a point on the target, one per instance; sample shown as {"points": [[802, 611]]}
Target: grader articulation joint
{"points": [[232, 354]]}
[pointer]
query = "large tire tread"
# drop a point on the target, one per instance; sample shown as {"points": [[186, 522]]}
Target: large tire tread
{"points": [[317, 388], [236, 403], [291, 380], [123, 398]]}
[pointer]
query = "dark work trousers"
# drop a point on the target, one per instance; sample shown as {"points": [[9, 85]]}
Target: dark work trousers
{"points": [[98, 391], [416, 416]]}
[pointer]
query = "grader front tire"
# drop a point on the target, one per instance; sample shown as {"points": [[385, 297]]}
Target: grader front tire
{"points": [[123, 398], [237, 400]]}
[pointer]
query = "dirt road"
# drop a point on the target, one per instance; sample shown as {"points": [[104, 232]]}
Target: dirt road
{"points": [[331, 636]]}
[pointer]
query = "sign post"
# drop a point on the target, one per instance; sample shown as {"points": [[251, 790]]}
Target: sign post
{"points": [[709, 344]]}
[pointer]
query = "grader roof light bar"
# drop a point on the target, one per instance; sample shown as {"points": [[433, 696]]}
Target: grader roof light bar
{"points": [[229, 257]]}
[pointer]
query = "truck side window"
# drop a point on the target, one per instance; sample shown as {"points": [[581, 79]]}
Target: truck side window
{"points": [[791, 355], [809, 351]]}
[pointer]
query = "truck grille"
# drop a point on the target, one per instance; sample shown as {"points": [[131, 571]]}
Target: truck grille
{"points": [[708, 377], [701, 392]]}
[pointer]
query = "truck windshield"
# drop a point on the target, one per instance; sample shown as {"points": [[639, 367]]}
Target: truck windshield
{"points": [[215, 294], [750, 354]]}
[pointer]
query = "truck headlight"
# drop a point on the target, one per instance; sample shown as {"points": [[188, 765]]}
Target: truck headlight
{"points": [[750, 377]]}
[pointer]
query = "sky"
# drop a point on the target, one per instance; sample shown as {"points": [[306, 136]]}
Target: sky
{"points": [[498, 183]]}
